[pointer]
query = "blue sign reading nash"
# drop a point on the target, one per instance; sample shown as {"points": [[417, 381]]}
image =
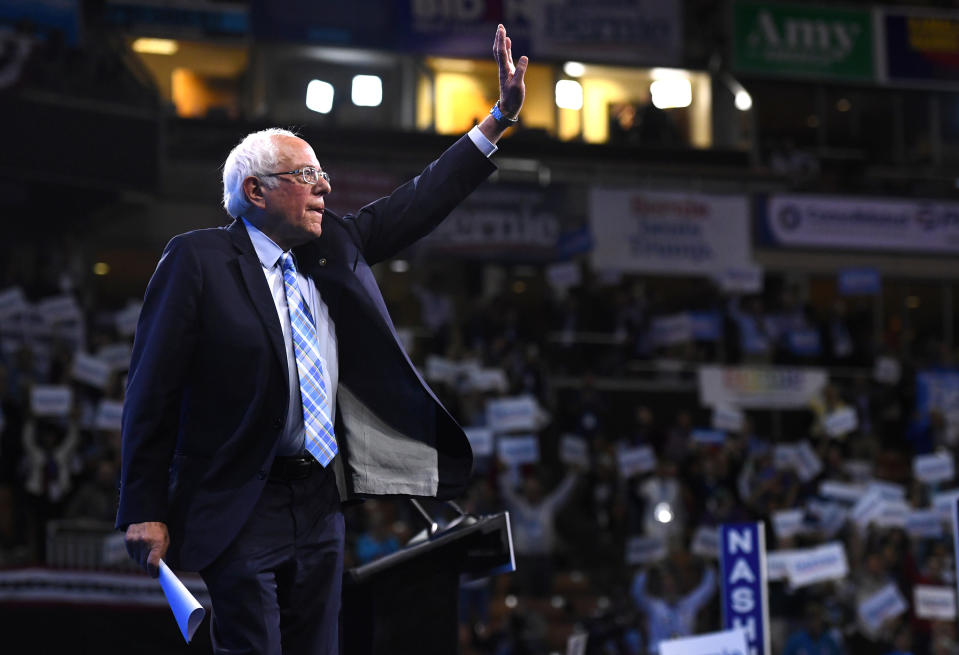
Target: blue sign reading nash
{"points": [[742, 559]]}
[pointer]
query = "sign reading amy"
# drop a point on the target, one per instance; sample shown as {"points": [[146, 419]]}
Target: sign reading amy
{"points": [[742, 558], [668, 233]]}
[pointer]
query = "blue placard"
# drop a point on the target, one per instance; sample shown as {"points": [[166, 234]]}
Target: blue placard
{"points": [[742, 559], [859, 282]]}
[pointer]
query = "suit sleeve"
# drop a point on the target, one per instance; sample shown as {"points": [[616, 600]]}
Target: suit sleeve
{"points": [[390, 224], [163, 348]]}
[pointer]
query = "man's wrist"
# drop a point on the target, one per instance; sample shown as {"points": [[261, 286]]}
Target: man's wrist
{"points": [[502, 118]]}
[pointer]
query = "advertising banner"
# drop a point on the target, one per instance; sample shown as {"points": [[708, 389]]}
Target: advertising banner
{"points": [[867, 224], [633, 32], [921, 48], [745, 601], [802, 40], [459, 28], [669, 233], [759, 387]]}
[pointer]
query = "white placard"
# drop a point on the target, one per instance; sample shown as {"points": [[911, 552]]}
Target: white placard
{"points": [[867, 508], [880, 606], [440, 369], [784, 456], [888, 490], [512, 414], [934, 468], [893, 514], [808, 464], [809, 566], [50, 400], [844, 491], [943, 501], [487, 379], [91, 370], [934, 602], [776, 564], [645, 550], [727, 642], [574, 451], [728, 418], [634, 461], [126, 319], [576, 643], [516, 451], [109, 415], [841, 422], [859, 470], [563, 275], [887, 370], [671, 330], [754, 387], [747, 278], [924, 524], [706, 542], [831, 516], [788, 522], [59, 309], [708, 437], [481, 441], [116, 355]]}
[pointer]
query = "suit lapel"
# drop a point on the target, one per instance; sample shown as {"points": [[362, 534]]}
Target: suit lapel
{"points": [[252, 273]]}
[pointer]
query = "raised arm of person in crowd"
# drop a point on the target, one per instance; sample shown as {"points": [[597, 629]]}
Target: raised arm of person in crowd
{"points": [[638, 590], [558, 496]]}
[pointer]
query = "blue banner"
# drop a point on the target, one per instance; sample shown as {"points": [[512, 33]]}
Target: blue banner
{"points": [[742, 560], [921, 48], [859, 282], [48, 16]]}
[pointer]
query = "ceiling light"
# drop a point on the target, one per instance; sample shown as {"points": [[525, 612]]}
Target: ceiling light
{"points": [[574, 69], [319, 96], [569, 94], [744, 101], [155, 46], [671, 93], [367, 90]]}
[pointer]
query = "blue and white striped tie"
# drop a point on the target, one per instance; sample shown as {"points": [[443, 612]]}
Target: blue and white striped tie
{"points": [[320, 441]]}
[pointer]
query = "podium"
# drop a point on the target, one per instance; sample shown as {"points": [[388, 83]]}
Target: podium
{"points": [[407, 602]]}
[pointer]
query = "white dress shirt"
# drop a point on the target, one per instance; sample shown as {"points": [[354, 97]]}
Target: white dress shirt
{"points": [[293, 437]]}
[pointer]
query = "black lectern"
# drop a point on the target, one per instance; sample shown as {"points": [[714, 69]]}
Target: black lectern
{"points": [[407, 601]]}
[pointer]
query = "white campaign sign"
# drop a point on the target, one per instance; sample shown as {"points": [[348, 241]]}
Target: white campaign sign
{"points": [[666, 233], [481, 440], [46, 400], [887, 370], [515, 451], [809, 566], [563, 275], [924, 523], [91, 370], [12, 302], [487, 379], [935, 602], [884, 604], [512, 414], [943, 501], [728, 418], [706, 542], [574, 450], [934, 468], [841, 422], [747, 278], [844, 491], [126, 320], [633, 461], [109, 415], [788, 522], [645, 550], [768, 387], [776, 560], [116, 355], [728, 642]]}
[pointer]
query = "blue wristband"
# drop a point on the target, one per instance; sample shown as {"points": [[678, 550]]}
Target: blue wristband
{"points": [[501, 118]]}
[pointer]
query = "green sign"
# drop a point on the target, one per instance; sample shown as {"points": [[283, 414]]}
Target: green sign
{"points": [[805, 40]]}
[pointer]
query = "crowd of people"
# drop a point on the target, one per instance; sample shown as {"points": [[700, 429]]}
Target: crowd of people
{"points": [[576, 520]]}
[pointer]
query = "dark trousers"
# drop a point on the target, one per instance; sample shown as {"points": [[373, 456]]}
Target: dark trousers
{"points": [[276, 588]]}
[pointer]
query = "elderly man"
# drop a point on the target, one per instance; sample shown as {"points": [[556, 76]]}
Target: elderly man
{"points": [[267, 385]]}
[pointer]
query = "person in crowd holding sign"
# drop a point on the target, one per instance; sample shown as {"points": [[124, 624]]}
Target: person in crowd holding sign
{"points": [[812, 638], [668, 614], [268, 384]]}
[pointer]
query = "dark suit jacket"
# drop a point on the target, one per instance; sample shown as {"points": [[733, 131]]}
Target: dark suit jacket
{"points": [[207, 390]]}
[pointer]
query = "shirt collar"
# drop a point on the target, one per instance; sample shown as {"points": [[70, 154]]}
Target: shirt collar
{"points": [[266, 250]]}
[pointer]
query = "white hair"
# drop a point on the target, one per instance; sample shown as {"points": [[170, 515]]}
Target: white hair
{"points": [[256, 154]]}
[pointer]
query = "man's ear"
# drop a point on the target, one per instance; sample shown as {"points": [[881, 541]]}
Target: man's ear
{"points": [[254, 192]]}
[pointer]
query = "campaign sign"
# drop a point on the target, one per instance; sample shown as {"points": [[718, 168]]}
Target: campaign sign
{"points": [[706, 542], [812, 565], [788, 522], [944, 503], [116, 355], [934, 602], [12, 302], [516, 451], [841, 422], [747, 278], [955, 530], [645, 550], [887, 370], [884, 604], [481, 441], [574, 450], [126, 320], [511, 414], [924, 523], [487, 379], [808, 464], [776, 560], [728, 418], [859, 282], [48, 400], [58, 309], [745, 602], [842, 491], [91, 370], [563, 275], [728, 642], [708, 437], [933, 468], [888, 490], [633, 461], [109, 415]]}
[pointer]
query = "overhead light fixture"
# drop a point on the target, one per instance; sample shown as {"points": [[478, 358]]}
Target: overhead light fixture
{"points": [[399, 266], [574, 69], [672, 93], [743, 101], [663, 512], [569, 94], [101, 268], [319, 96], [149, 46], [367, 90]]}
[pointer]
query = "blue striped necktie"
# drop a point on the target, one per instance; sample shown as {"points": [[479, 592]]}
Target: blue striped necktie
{"points": [[320, 441]]}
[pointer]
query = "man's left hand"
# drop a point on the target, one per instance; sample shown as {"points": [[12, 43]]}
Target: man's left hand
{"points": [[512, 88]]}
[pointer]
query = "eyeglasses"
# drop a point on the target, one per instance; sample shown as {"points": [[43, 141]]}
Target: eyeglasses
{"points": [[308, 174]]}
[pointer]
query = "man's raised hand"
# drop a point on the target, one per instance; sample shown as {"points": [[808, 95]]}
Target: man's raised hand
{"points": [[512, 88]]}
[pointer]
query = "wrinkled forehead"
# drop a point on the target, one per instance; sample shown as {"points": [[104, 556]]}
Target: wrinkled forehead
{"points": [[295, 152]]}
